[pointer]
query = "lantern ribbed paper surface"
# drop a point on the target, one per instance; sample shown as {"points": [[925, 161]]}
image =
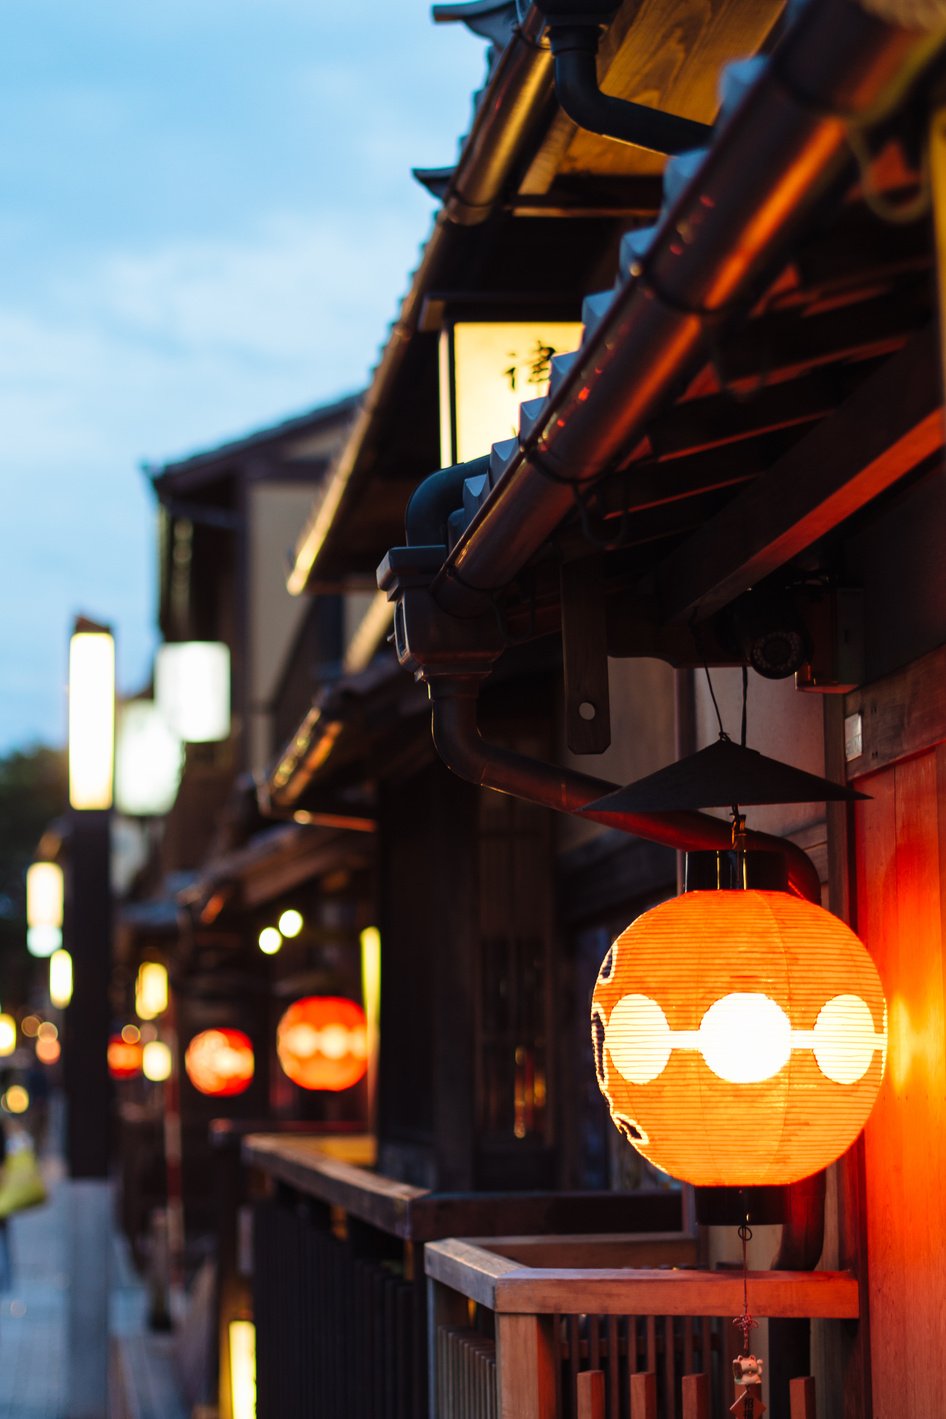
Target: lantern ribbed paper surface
{"points": [[739, 1036]]}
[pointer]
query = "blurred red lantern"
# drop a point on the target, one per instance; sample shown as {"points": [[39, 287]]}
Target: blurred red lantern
{"points": [[124, 1058], [220, 1062], [321, 1042]]}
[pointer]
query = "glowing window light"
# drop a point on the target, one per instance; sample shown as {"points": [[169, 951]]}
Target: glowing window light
{"points": [[370, 942], [242, 1336], [220, 1063], [44, 894], [321, 1043], [7, 1035], [290, 922], [91, 719], [270, 941], [156, 1062], [15, 1100], [149, 758], [48, 1051], [487, 369], [42, 941], [192, 689], [740, 1037], [151, 990], [60, 978]]}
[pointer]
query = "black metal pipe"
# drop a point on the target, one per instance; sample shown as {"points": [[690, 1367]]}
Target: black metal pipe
{"points": [[434, 499], [461, 747], [575, 52], [781, 153]]}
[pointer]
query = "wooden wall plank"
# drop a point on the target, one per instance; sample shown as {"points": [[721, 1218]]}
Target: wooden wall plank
{"points": [[899, 852], [901, 715]]}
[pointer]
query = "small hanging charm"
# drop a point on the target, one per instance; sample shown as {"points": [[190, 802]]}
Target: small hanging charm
{"points": [[747, 1373], [746, 1369]]}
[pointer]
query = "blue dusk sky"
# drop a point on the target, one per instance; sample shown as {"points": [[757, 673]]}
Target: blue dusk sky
{"points": [[207, 221]]}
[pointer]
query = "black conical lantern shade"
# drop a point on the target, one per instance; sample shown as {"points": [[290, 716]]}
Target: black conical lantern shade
{"points": [[718, 777]]}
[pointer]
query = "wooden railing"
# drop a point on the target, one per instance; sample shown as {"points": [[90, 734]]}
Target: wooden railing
{"points": [[646, 1336], [339, 1289]]}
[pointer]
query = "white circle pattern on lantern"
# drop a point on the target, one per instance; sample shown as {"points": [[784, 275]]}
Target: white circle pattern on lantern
{"points": [[640, 1039], [844, 1039], [744, 1038]]}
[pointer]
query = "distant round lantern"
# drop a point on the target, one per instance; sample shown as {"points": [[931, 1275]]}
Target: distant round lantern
{"points": [[321, 1043], [219, 1062], [739, 1036], [124, 1058]]}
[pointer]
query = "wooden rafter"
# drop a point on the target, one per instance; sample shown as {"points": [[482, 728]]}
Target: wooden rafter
{"points": [[884, 431]]}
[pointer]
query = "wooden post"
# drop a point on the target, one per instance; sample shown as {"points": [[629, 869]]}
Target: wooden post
{"points": [[802, 1393], [644, 1395], [591, 1394], [526, 1359], [696, 1397]]}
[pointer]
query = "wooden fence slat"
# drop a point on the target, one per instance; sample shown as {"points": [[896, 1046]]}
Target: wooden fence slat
{"points": [[696, 1397], [614, 1368], [644, 1395], [802, 1395], [688, 1324], [590, 1391], [670, 1372]]}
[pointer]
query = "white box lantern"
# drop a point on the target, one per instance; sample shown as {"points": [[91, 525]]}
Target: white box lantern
{"points": [[192, 689], [149, 757], [487, 369]]}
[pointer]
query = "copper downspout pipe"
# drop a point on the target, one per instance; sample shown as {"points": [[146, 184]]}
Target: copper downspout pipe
{"points": [[780, 154], [458, 742]]}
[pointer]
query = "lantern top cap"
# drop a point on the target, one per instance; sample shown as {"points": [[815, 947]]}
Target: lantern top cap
{"points": [[719, 776]]}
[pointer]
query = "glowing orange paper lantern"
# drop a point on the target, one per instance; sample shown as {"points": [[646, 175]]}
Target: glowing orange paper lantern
{"points": [[322, 1044], [740, 1037], [220, 1062], [124, 1058]]}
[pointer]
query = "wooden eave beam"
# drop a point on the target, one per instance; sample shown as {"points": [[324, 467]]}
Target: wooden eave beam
{"points": [[881, 433]]}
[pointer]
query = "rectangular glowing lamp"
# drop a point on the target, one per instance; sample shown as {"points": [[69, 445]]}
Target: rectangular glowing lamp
{"points": [[91, 719], [487, 369], [242, 1334], [192, 689], [149, 759], [44, 894], [60, 979], [151, 990]]}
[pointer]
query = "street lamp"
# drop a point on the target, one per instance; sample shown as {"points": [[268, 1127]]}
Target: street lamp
{"points": [[91, 717], [44, 903], [89, 930]]}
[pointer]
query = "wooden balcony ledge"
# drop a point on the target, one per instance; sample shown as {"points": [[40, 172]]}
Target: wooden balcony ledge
{"points": [[338, 1171], [496, 1276]]}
